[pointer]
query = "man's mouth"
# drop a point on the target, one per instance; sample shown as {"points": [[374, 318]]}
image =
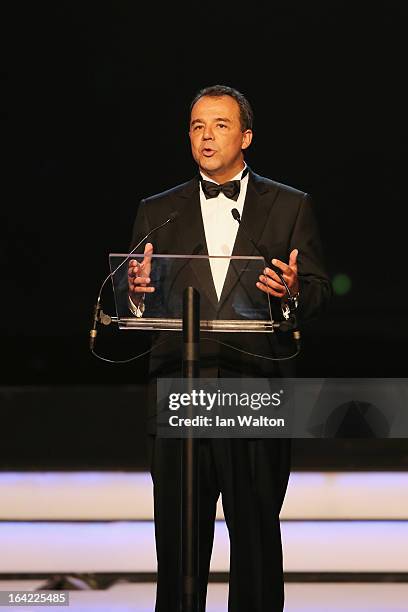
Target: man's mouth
{"points": [[207, 152]]}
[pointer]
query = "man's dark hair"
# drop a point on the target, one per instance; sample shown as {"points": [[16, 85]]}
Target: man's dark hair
{"points": [[216, 91]]}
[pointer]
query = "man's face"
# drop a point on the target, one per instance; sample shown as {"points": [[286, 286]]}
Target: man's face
{"points": [[217, 140]]}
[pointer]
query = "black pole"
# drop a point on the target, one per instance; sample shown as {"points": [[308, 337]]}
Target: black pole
{"points": [[189, 530]]}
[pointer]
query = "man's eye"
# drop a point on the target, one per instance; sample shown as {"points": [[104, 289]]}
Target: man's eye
{"points": [[222, 125], [197, 127]]}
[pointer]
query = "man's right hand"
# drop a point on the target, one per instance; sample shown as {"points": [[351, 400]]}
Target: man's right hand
{"points": [[139, 275]]}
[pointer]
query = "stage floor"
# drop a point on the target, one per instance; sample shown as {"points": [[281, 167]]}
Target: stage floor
{"points": [[315, 597]]}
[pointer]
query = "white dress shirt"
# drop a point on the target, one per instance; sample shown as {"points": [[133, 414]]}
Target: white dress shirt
{"points": [[221, 228]]}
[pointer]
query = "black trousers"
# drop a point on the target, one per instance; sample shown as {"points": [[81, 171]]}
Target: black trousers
{"points": [[252, 476]]}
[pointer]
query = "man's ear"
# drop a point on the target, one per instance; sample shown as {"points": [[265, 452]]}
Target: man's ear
{"points": [[246, 139]]}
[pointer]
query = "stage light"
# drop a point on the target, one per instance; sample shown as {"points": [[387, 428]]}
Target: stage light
{"points": [[341, 284]]}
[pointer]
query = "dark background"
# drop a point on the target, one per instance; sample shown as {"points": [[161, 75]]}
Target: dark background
{"points": [[99, 112]]}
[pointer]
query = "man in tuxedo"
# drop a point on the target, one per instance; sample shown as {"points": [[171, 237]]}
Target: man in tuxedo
{"points": [[250, 474]]}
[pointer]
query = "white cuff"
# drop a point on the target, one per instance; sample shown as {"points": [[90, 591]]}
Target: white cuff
{"points": [[136, 310], [285, 306]]}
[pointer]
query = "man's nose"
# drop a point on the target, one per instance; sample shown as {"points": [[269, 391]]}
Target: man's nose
{"points": [[208, 133]]}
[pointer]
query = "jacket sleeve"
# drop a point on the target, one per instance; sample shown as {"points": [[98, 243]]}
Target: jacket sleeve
{"points": [[314, 285]]}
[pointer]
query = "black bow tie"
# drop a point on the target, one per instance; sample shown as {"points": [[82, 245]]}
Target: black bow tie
{"points": [[230, 189]]}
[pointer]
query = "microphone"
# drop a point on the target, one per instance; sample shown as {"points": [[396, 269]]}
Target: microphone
{"points": [[173, 216], [262, 251], [291, 302]]}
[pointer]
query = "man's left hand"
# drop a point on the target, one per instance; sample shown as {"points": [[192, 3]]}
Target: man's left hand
{"points": [[269, 281]]}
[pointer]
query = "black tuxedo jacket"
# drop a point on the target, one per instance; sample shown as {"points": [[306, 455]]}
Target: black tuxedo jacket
{"points": [[278, 217]]}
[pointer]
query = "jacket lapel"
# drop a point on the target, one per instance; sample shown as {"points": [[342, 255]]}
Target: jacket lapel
{"points": [[259, 201], [191, 239]]}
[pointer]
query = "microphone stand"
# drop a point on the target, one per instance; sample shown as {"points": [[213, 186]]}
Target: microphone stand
{"points": [[190, 472]]}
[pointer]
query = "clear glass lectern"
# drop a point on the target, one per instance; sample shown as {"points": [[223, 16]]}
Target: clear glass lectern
{"points": [[241, 307]]}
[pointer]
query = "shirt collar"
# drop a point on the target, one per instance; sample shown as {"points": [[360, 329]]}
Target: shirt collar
{"points": [[237, 177]]}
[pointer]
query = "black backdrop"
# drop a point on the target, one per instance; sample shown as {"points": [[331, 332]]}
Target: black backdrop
{"points": [[99, 119]]}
